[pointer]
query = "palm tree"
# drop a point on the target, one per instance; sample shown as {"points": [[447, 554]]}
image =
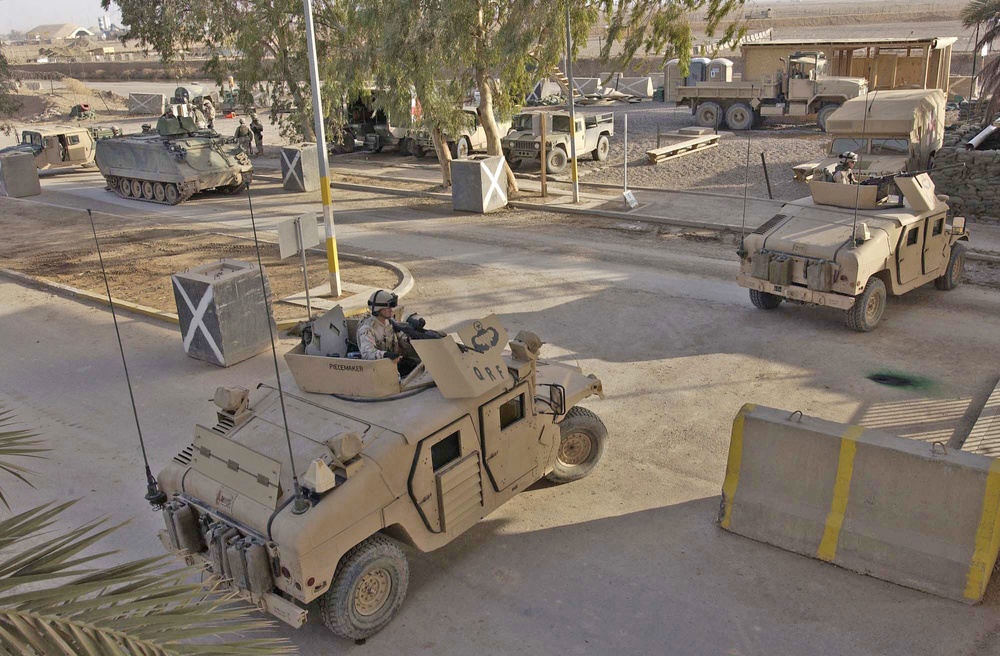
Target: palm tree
{"points": [[55, 601], [985, 14]]}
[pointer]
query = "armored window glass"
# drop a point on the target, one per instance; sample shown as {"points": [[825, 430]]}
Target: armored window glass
{"points": [[845, 144], [512, 411], [522, 122], [890, 146], [560, 124], [74, 140], [938, 227], [445, 451], [912, 236]]}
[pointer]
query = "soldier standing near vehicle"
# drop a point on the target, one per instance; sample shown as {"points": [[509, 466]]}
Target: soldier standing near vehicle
{"points": [[209, 110], [377, 338], [244, 137], [258, 134], [844, 173]]}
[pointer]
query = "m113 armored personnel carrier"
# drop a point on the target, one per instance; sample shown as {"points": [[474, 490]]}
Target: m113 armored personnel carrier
{"points": [[850, 246], [382, 461], [172, 163]]}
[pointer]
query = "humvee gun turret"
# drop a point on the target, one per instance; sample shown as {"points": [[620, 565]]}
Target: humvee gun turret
{"points": [[380, 461], [852, 258]]}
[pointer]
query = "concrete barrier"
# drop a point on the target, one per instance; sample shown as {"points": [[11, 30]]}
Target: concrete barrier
{"points": [[300, 167], [544, 89], [19, 175], [587, 85], [636, 86], [146, 104], [900, 510], [478, 184]]}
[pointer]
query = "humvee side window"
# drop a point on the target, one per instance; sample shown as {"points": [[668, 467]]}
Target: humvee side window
{"points": [[844, 144], [890, 146], [445, 451], [512, 411], [911, 236], [74, 140], [938, 227]]}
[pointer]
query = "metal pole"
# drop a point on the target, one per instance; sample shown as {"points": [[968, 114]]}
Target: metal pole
{"points": [[766, 178], [975, 52], [333, 262], [545, 185], [572, 107], [301, 238], [626, 154]]}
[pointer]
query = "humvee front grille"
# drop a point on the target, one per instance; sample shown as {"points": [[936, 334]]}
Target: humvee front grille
{"points": [[770, 223]]}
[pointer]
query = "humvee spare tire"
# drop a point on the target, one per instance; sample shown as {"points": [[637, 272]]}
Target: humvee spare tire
{"points": [[581, 444], [952, 276], [367, 590], [868, 308]]}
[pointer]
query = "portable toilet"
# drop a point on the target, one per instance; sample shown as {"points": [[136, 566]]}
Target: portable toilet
{"points": [[699, 70], [671, 80], [720, 70]]}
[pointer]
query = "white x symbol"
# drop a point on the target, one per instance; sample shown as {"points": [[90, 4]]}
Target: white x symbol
{"points": [[291, 168], [198, 319], [494, 178]]}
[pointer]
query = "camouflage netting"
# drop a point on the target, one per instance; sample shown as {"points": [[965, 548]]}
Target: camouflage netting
{"points": [[973, 189]]}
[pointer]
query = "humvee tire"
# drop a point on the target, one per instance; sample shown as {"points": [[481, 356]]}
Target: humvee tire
{"points": [[952, 276], [367, 590], [581, 444], [740, 116], [708, 115], [556, 160], [514, 164], [763, 300], [824, 113], [868, 308], [603, 146], [461, 149], [403, 148], [417, 150]]}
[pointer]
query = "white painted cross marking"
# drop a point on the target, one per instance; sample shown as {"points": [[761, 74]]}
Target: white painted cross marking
{"points": [[198, 319], [494, 178], [291, 169]]}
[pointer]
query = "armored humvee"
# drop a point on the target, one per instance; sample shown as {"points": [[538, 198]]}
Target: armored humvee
{"points": [[60, 147], [471, 139], [593, 135], [380, 462], [811, 252]]}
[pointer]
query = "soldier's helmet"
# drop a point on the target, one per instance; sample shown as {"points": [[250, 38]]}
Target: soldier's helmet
{"points": [[381, 300], [243, 121], [849, 156]]}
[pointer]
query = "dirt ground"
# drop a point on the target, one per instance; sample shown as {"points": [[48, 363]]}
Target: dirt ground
{"points": [[140, 260]]}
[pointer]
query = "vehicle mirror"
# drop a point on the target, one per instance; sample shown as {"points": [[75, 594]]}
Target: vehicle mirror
{"points": [[557, 399]]}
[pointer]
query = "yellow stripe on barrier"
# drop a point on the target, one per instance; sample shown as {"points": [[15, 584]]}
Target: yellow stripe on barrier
{"points": [[841, 493], [332, 259], [987, 537], [324, 189], [733, 464]]}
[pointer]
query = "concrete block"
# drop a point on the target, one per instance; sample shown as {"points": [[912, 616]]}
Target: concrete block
{"points": [[299, 167], [146, 104], [587, 85], [900, 510], [223, 312], [19, 175], [544, 89], [478, 184], [636, 86]]}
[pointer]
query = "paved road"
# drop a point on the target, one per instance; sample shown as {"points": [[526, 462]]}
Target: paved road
{"points": [[628, 560]]}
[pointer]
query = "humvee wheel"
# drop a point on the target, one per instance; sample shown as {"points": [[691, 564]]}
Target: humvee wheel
{"points": [[417, 150], [557, 160], [868, 308], [603, 147], [514, 164], [171, 194], [581, 444], [824, 113], [740, 116], [952, 276], [708, 115], [367, 590], [763, 300], [159, 193]]}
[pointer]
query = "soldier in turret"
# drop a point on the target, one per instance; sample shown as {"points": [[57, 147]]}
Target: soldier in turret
{"points": [[844, 173]]}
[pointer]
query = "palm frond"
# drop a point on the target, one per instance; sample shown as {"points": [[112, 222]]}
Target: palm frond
{"points": [[985, 15], [16, 443], [54, 602]]}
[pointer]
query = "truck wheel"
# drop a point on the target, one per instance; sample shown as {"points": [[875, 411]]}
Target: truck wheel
{"points": [[603, 147], [556, 160], [514, 164], [403, 147], [763, 300], [824, 114], [740, 116], [708, 115], [367, 590], [952, 276], [868, 308], [460, 149], [417, 150], [581, 444]]}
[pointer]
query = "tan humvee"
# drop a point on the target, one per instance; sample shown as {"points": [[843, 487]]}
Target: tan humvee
{"points": [[381, 461], [891, 131], [812, 252], [58, 147]]}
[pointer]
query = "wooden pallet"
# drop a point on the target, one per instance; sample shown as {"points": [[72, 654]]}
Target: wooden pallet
{"points": [[684, 144]]}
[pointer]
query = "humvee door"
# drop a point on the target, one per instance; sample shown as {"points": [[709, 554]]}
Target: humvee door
{"points": [[510, 431]]}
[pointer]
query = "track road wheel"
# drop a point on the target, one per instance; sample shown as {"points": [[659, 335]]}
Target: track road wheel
{"points": [[136, 189], [708, 115], [159, 192], [868, 308], [125, 187], [171, 194], [603, 147], [581, 444], [740, 116], [952, 276], [824, 113], [147, 190], [367, 589], [556, 160], [763, 300]]}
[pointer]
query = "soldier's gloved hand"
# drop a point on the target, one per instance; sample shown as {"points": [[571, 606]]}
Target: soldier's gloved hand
{"points": [[391, 355]]}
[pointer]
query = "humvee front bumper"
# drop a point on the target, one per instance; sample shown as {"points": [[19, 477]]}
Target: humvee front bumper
{"points": [[796, 293]]}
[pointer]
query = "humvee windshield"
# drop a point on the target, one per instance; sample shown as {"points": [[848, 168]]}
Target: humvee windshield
{"points": [[32, 138], [522, 123], [890, 146]]}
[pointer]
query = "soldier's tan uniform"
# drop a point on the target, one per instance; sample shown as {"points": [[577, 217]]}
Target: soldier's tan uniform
{"points": [[375, 338], [845, 176]]}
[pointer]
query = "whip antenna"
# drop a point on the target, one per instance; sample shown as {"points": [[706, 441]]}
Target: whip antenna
{"points": [[301, 504], [746, 183], [154, 495], [857, 192]]}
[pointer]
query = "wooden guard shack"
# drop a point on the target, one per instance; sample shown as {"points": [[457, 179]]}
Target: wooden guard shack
{"points": [[907, 63]]}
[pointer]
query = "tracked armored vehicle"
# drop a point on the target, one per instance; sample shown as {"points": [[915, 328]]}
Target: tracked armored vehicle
{"points": [[380, 461], [851, 246], [172, 163]]}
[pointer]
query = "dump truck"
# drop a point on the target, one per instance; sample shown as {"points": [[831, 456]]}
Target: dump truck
{"points": [[802, 89], [593, 137], [471, 139], [61, 147], [891, 132], [852, 246], [379, 461]]}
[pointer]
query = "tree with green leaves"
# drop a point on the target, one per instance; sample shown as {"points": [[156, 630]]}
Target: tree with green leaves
{"points": [[985, 14], [9, 105], [56, 601]]}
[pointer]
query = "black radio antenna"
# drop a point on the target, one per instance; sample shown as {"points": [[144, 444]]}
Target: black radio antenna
{"points": [[301, 504], [154, 495], [746, 184], [857, 192]]}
